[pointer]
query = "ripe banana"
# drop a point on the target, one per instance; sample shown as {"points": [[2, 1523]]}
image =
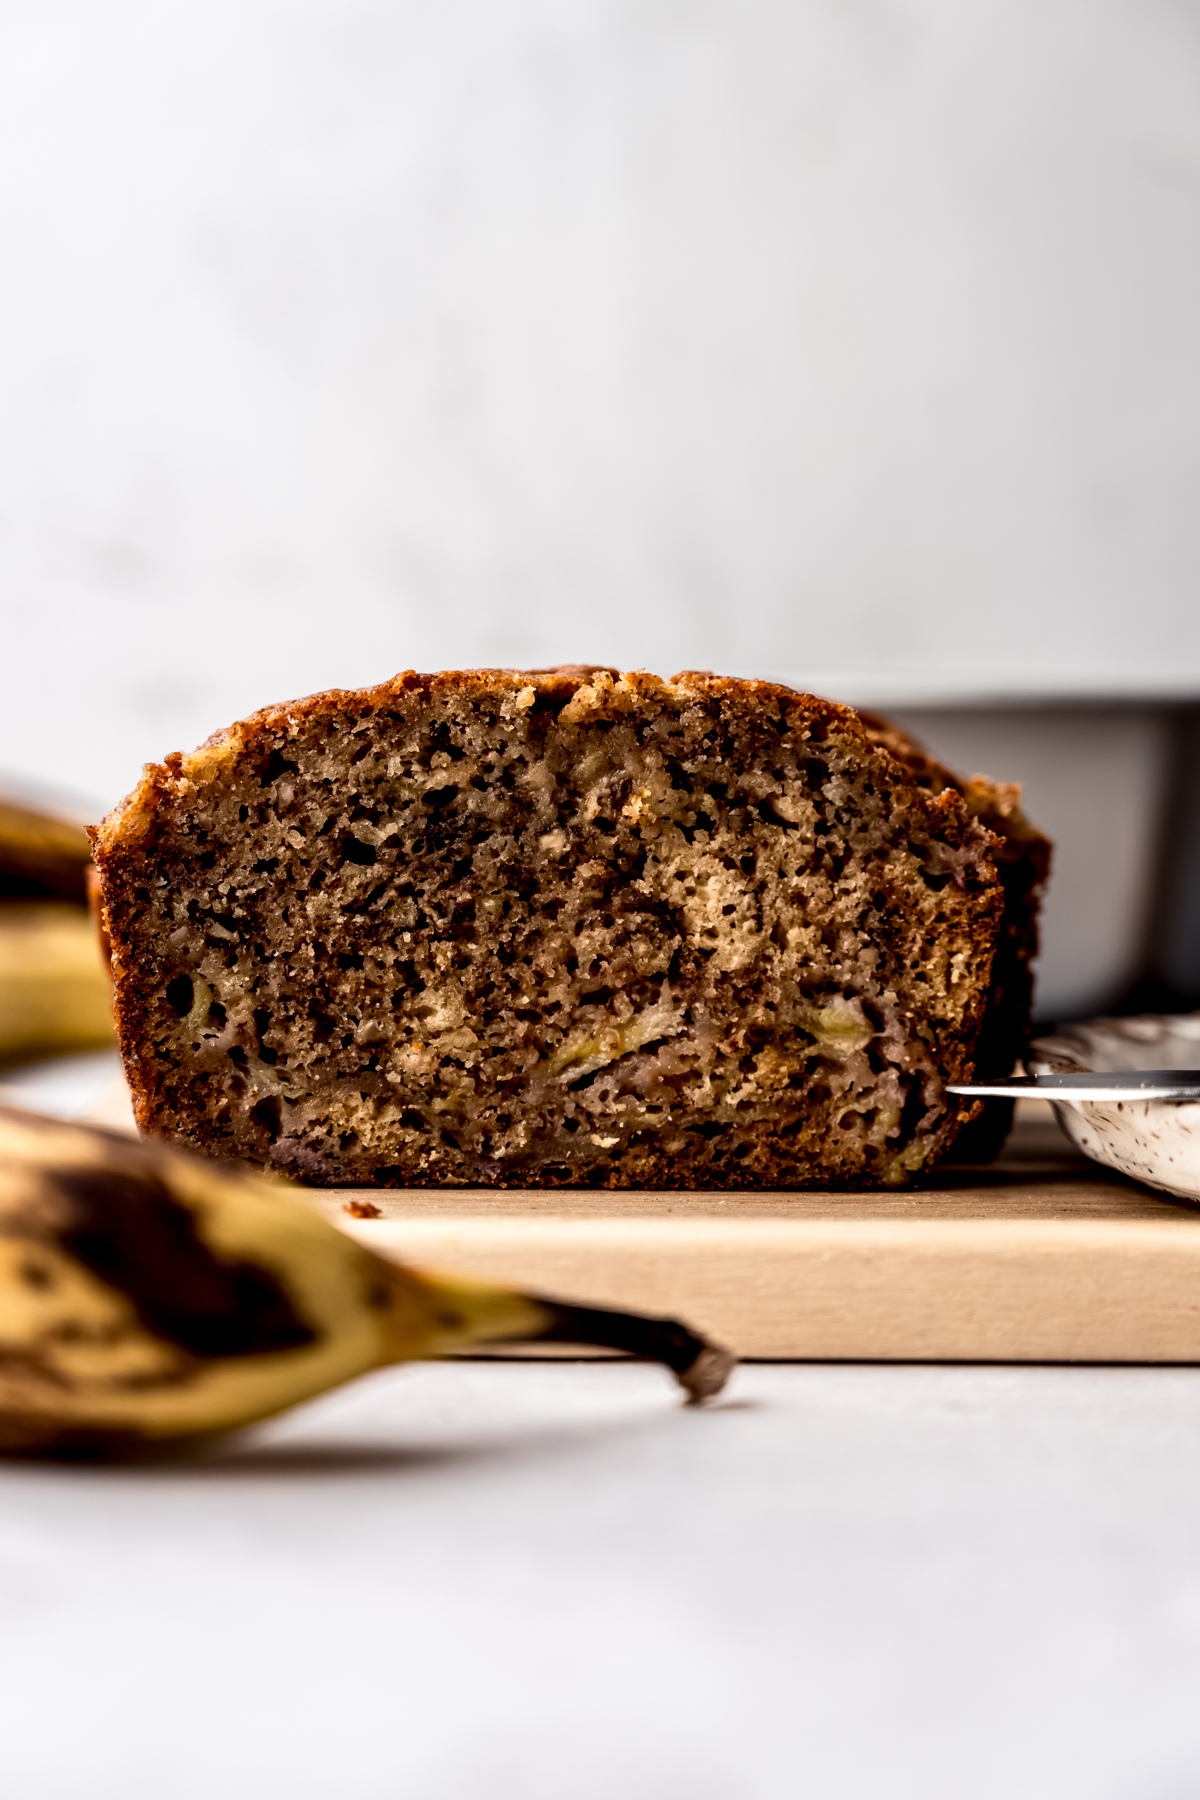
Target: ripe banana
{"points": [[55, 993], [42, 856], [54, 988], [148, 1298]]}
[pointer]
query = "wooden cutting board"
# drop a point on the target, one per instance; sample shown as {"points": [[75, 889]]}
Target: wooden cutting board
{"points": [[1041, 1257]]}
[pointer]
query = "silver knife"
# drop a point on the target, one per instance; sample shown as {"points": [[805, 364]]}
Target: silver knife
{"points": [[1119, 1084]]}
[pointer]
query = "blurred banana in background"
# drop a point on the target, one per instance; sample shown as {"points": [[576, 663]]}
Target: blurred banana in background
{"points": [[149, 1298], [54, 988]]}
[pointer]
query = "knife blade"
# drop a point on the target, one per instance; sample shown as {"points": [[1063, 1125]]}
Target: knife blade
{"points": [[1116, 1084]]}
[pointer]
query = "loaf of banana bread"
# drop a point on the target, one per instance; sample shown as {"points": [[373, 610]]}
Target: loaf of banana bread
{"points": [[551, 929]]}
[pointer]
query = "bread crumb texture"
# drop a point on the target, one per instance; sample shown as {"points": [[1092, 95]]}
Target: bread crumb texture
{"points": [[554, 929]]}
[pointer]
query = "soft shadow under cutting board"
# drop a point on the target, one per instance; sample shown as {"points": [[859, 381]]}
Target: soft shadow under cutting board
{"points": [[1042, 1257]]}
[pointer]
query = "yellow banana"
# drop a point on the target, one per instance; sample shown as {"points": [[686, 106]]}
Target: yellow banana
{"points": [[42, 856], [149, 1297], [55, 993]]}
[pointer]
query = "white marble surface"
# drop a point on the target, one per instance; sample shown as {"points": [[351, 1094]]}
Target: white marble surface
{"points": [[535, 1581]]}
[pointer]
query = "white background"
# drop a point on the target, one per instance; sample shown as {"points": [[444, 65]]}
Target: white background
{"points": [[338, 336]]}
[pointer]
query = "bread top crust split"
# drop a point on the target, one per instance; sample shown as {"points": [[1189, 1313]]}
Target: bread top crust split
{"points": [[552, 928]]}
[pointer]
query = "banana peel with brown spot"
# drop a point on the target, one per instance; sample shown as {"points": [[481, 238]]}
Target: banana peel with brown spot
{"points": [[150, 1299]]}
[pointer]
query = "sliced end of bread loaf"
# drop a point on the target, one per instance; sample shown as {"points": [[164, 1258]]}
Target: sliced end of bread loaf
{"points": [[552, 929]]}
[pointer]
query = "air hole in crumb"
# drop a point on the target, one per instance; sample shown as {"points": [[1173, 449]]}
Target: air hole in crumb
{"points": [[266, 1114], [354, 850], [913, 1110], [180, 993], [274, 767]]}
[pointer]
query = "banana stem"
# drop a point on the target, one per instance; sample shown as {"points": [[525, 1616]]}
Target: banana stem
{"points": [[433, 1314], [701, 1368]]}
